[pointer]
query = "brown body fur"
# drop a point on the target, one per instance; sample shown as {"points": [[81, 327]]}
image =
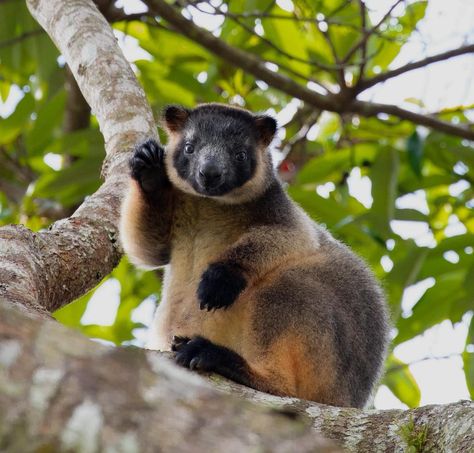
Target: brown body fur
{"points": [[306, 295]]}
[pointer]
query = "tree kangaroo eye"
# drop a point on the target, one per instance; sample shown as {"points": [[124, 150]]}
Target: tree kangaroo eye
{"points": [[189, 148], [242, 155]]}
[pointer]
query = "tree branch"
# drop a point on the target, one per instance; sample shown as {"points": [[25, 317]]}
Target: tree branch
{"points": [[273, 46], [250, 30], [365, 84], [362, 43], [49, 269], [240, 58], [59, 390], [20, 38], [373, 109], [252, 64]]}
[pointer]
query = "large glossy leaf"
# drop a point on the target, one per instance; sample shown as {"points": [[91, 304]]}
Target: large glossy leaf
{"points": [[435, 306], [85, 173], [384, 175], [331, 166], [468, 359], [408, 259], [17, 122], [415, 152], [401, 382]]}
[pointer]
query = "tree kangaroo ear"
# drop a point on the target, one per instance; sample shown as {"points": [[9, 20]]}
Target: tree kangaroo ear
{"points": [[174, 118], [266, 127]]}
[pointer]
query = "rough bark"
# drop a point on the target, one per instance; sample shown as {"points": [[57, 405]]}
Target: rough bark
{"points": [[47, 270], [59, 390]]}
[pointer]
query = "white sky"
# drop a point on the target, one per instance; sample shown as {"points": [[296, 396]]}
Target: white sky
{"points": [[445, 26]]}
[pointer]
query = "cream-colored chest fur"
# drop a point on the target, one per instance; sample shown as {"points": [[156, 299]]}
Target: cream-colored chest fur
{"points": [[202, 232]]}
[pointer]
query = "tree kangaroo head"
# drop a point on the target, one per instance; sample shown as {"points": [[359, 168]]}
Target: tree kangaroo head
{"points": [[219, 151]]}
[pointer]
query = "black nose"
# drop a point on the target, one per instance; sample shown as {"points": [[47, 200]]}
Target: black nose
{"points": [[210, 174]]}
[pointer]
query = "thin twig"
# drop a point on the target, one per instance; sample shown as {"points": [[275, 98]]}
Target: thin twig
{"points": [[363, 18], [272, 45], [367, 33], [402, 366], [20, 38], [365, 84], [319, 65]]}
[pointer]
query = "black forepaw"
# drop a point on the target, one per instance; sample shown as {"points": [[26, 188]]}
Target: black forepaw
{"points": [[147, 166], [196, 353], [220, 286]]}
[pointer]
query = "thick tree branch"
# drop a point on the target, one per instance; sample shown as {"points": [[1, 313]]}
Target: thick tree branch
{"points": [[365, 84], [373, 109], [240, 58], [255, 66], [60, 390], [49, 269], [252, 64]]}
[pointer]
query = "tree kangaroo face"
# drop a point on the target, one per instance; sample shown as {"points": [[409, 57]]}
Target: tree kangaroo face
{"points": [[214, 149]]}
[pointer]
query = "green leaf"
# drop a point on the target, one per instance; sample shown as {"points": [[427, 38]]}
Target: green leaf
{"points": [[331, 165], [319, 208], [408, 259], [384, 175], [412, 215], [439, 302], [4, 90], [400, 381], [50, 117], [115, 333], [70, 315], [469, 281], [455, 243], [415, 152], [85, 173], [414, 12], [16, 123], [468, 359]]}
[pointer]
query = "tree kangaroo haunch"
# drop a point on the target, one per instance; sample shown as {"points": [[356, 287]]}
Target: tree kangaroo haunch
{"points": [[254, 289]]}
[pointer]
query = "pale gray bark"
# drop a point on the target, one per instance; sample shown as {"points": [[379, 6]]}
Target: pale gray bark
{"points": [[60, 391], [49, 269]]}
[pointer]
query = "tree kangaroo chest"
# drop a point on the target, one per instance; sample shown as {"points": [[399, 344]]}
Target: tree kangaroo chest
{"points": [[200, 236]]}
